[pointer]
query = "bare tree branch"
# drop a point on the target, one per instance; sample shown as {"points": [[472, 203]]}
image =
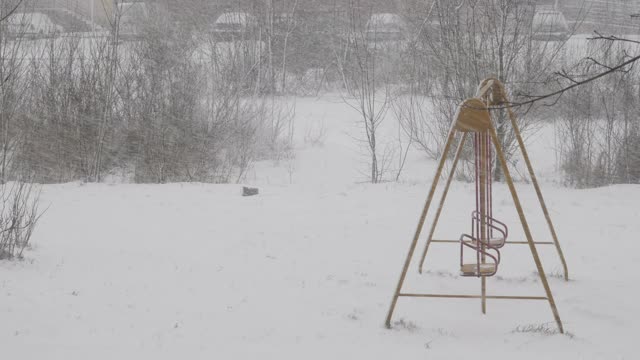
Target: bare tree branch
{"points": [[13, 10], [537, 98]]}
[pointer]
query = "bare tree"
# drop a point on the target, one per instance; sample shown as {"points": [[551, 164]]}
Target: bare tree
{"points": [[111, 69], [19, 201], [368, 87], [598, 123], [19, 215], [469, 41], [13, 55]]}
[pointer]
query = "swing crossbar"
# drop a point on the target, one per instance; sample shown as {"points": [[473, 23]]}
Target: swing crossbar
{"points": [[464, 296], [507, 242]]}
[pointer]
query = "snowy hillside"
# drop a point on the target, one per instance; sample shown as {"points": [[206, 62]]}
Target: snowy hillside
{"points": [[306, 270]]}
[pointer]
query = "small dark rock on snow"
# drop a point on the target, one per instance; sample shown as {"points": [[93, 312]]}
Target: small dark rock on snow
{"points": [[247, 191]]}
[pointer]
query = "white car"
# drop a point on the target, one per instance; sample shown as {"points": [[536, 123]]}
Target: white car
{"points": [[549, 24], [235, 24], [386, 27], [387, 33]]}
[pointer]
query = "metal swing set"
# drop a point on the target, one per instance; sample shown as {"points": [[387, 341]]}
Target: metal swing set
{"points": [[488, 235]]}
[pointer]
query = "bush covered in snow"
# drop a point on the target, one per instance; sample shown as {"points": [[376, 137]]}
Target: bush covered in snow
{"points": [[153, 110], [19, 215]]}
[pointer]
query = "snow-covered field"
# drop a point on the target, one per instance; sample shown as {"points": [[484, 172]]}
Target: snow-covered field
{"points": [[306, 269]]}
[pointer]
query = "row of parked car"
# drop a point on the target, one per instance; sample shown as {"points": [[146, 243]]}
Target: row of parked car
{"points": [[548, 24]]}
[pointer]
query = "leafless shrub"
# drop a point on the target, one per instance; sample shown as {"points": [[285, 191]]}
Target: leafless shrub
{"points": [[533, 278], [184, 105], [599, 126], [417, 120], [401, 151], [163, 107], [546, 329], [554, 274], [19, 215], [368, 87], [310, 82], [316, 134], [279, 127], [463, 43], [402, 324], [441, 273], [63, 107]]}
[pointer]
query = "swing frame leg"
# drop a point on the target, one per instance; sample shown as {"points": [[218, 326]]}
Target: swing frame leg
{"points": [[536, 186], [525, 226]]}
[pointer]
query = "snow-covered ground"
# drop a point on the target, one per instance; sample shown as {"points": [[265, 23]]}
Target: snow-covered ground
{"points": [[306, 269]]}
